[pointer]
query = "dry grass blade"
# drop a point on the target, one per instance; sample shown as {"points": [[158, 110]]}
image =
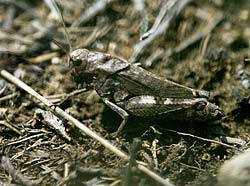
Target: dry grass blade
{"points": [[205, 139], [173, 8]]}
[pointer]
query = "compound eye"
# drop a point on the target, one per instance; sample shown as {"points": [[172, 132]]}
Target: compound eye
{"points": [[200, 105], [77, 62]]}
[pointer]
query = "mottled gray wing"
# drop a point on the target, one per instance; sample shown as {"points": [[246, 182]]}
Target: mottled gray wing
{"points": [[142, 82]]}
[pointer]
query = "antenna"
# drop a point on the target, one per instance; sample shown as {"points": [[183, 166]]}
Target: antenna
{"points": [[63, 23], [60, 46]]}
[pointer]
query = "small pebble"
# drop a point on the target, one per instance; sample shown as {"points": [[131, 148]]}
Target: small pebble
{"points": [[246, 83], [236, 171], [244, 15]]}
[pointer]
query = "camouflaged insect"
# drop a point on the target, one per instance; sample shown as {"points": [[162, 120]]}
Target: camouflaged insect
{"points": [[131, 90]]}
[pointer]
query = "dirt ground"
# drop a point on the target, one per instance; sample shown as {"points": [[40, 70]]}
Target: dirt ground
{"points": [[217, 60]]}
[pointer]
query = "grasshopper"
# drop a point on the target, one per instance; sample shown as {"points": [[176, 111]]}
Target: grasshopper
{"points": [[131, 90]]}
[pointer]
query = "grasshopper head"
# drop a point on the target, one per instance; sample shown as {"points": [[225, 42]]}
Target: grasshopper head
{"points": [[86, 62], [78, 62], [78, 58], [87, 66]]}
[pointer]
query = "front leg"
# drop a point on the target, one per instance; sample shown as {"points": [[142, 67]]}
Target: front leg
{"points": [[120, 111]]}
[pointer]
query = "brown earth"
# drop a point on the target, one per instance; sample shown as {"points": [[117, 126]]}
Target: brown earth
{"points": [[218, 62]]}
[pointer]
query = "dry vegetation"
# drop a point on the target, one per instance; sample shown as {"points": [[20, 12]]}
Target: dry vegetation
{"points": [[206, 46]]}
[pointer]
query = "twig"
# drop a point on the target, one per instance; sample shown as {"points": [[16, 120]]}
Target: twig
{"points": [[204, 45], [71, 94], [192, 167], [8, 125], [82, 127], [5, 123], [204, 139], [25, 139], [66, 171], [171, 9], [61, 98], [43, 57], [5, 98], [159, 19]]}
